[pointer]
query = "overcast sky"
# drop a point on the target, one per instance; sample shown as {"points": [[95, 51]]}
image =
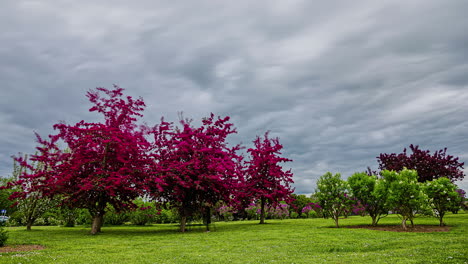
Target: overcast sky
{"points": [[339, 82]]}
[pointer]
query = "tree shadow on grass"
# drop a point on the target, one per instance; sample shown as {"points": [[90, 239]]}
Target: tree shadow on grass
{"points": [[399, 228]]}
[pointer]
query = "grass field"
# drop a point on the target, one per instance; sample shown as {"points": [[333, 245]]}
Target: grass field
{"points": [[279, 241]]}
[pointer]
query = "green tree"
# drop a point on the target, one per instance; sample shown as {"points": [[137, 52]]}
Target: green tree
{"points": [[333, 196], [405, 195], [31, 205], [372, 194], [442, 197]]}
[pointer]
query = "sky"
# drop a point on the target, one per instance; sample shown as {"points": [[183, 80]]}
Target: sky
{"points": [[339, 82]]}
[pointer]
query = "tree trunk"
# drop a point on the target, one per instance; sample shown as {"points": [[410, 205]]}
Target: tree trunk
{"points": [[374, 220], [441, 217], [29, 223], [97, 223], [403, 223], [183, 223], [412, 223], [262, 210], [207, 217], [336, 221]]}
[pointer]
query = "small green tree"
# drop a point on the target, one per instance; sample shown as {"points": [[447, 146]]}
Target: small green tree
{"points": [[333, 196], [442, 197], [29, 203], [405, 195], [372, 194]]}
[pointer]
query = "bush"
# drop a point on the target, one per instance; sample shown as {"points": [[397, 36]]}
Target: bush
{"points": [[314, 214], [115, 218], [280, 211], [67, 216], [83, 217], [145, 213], [142, 216], [12, 222], [253, 210], [293, 215], [225, 213], [16, 219], [3, 235], [166, 216], [49, 218]]}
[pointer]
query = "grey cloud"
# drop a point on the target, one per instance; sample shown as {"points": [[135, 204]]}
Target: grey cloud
{"points": [[338, 82]]}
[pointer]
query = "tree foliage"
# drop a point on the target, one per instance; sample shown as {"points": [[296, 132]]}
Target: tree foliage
{"points": [[106, 162], [428, 166], [405, 195], [369, 190], [265, 178], [333, 196], [442, 197], [195, 166]]}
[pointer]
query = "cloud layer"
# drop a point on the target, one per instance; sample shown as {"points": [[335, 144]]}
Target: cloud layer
{"points": [[338, 82]]}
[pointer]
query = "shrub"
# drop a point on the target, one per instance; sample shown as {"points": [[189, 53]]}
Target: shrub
{"points": [[306, 210], [143, 215], [293, 215], [83, 217], [115, 218], [67, 216], [3, 235], [317, 211], [252, 211], [166, 216], [280, 211], [225, 212], [314, 214]]}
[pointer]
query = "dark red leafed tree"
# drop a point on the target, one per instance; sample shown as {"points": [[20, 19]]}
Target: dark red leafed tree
{"points": [[428, 166], [266, 179], [196, 165], [105, 163]]}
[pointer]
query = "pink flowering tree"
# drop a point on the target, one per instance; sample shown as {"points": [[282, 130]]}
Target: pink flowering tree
{"points": [[266, 179], [196, 166], [105, 162]]}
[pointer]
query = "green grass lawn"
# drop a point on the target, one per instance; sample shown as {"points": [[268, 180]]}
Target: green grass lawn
{"points": [[279, 241]]}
